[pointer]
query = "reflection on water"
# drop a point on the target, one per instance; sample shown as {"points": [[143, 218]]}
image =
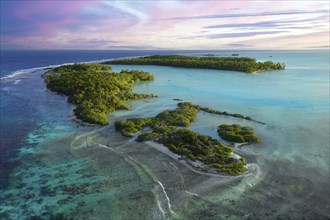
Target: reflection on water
{"points": [[95, 173]]}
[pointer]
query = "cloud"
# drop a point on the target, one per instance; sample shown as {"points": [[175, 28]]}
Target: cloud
{"points": [[266, 24], [129, 8], [129, 47], [291, 41], [239, 15], [238, 45], [234, 34], [94, 41], [244, 34], [96, 24], [319, 47]]}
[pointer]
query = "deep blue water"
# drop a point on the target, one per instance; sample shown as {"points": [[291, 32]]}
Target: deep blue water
{"points": [[16, 60]]}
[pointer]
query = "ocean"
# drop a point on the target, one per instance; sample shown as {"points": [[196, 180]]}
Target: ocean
{"points": [[51, 168]]}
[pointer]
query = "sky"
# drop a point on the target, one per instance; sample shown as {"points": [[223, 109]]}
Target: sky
{"points": [[164, 24]]}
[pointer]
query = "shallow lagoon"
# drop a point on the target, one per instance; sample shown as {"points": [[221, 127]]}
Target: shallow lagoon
{"points": [[96, 173]]}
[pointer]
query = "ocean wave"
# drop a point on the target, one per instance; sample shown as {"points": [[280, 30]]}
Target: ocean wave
{"points": [[22, 72], [17, 81], [13, 75]]}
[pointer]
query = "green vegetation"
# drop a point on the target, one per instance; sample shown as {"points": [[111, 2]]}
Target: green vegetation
{"points": [[243, 64], [196, 147], [182, 116], [95, 90], [237, 133]]}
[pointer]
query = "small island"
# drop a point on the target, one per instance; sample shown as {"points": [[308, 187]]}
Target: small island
{"points": [[200, 151], [237, 133], [95, 90], [242, 64], [182, 116]]}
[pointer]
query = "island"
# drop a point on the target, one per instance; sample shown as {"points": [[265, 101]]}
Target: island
{"points": [[200, 151], [95, 90], [242, 64], [182, 116], [237, 133]]}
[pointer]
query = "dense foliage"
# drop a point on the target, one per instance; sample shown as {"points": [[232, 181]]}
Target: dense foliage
{"points": [[182, 116], [243, 64], [95, 89], [237, 133], [199, 147], [194, 146]]}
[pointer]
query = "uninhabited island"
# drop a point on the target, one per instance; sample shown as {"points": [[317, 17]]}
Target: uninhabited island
{"points": [[182, 116], [210, 154], [95, 90], [242, 64]]}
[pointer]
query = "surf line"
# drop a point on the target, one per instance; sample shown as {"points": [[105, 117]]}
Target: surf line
{"points": [[166, 196]]}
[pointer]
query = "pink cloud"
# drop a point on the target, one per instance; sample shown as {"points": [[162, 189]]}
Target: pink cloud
{"points": [[63, 24], [45, 16]]}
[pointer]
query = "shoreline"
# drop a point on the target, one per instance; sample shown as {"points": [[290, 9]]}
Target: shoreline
{"points": [[190, 164], [80, 123]]}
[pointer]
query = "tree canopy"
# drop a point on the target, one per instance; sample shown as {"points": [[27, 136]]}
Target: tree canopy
{"points": [[237, 133], [95, 90], [242, 64], [167, 130]]}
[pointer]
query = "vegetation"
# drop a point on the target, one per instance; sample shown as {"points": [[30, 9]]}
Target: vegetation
{"points": [[95, 90], [243, 64], [237, 133], [182, 116], [197, 147], [194, 146]]}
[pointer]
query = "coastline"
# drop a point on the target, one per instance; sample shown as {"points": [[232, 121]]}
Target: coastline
{"points": [[80, 123], [191, 165]]}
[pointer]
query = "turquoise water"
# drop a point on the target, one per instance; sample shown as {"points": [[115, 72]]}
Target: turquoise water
{"points": [[95, 173]]}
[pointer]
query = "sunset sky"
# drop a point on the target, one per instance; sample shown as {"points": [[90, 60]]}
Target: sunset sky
{"points": [[215, 25]]}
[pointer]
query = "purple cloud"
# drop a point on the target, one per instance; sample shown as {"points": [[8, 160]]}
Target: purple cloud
{"points": [[238, 45], [101, 24], [239, 15], [244, 34], [144, 47], [265, 24]]}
